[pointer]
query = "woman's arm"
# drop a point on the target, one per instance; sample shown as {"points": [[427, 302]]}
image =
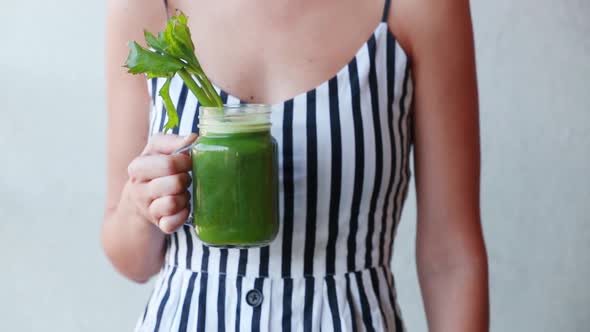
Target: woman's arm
{"points": [[451, 255], [134, 206]]}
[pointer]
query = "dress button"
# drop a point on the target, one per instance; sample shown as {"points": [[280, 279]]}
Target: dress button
{"points": [[254, 297]]}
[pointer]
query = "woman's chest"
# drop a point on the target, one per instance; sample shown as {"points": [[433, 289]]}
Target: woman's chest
{"points": [[269, 51]]}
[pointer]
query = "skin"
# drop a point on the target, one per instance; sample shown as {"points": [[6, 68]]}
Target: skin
{"points": [[147, 196]]}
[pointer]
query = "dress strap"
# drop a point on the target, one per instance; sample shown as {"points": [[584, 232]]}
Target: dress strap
{"points": [[385, 10], [168, 11]]}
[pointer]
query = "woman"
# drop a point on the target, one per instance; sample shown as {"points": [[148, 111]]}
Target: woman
{"points": [[343, 145]]}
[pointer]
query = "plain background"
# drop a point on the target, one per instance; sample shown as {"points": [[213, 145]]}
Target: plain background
{"points": [[534, 78]]}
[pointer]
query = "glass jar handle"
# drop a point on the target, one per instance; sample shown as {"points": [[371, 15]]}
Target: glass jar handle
{"points": [[183, 149]]}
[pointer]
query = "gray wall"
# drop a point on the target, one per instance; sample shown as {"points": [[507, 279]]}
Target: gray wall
{"points": [[534, 74]]}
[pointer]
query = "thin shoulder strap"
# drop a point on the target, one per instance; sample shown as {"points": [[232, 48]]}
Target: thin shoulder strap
{"points": [[385, 10], [168, 11]]}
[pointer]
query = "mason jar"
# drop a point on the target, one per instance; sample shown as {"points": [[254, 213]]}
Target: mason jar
{"points": [[235, 180]]}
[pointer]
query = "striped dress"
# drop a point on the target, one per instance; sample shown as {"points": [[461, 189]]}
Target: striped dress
{"points": [[343, 174]]}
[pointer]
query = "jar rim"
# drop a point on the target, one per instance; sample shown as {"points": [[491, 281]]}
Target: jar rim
{"points": [[258, 107], [235, 118]]}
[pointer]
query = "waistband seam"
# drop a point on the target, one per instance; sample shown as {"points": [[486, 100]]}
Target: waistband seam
{"points": [[386, 267]]}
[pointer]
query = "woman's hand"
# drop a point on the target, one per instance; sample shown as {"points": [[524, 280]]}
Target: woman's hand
{"points": [[158, 182], [154, 194]]}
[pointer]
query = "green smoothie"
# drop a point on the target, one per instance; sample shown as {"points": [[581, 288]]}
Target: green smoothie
{"points": [[235, 199]]}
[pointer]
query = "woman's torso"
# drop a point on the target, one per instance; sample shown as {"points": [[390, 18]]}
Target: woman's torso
{"points": [[343, 174]]}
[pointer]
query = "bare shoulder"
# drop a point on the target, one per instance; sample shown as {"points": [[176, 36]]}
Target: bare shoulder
{"points": [[422, 25], [125, 21], [131, 17]]}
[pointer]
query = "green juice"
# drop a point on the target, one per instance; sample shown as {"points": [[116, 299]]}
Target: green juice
{"points": [[235, 199]]}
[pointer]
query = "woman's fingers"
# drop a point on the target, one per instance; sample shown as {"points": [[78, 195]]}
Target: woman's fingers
{"points": [[168, 205], [145, 168], [168, 185], [159, 179], [147, 192], [169, 224]]}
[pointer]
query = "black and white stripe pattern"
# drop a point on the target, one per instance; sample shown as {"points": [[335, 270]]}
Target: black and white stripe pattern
{"points": [[343, 164]]}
